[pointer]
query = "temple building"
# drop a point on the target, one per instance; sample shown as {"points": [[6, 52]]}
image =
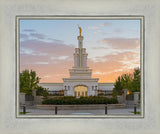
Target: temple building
{"points": [[80, 82]]}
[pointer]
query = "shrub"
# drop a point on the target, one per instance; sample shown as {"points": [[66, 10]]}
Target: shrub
{"points": [[66, 100]]}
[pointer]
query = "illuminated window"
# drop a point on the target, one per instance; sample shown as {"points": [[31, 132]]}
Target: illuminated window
{"points": [[81, 91], [61, 92], [99, 92]]}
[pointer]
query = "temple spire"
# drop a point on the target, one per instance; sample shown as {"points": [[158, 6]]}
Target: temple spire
{"points": [[80, 45], [80, 38]]}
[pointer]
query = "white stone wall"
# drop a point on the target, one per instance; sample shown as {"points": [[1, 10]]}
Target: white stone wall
{"points": [[69, 86], [72, 85]]}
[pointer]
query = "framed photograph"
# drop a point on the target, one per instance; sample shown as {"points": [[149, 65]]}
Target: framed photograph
{"points": [[111, 45], [79, 67]]}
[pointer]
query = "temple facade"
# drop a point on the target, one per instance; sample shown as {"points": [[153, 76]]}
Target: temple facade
{"points": [[80, 82]]}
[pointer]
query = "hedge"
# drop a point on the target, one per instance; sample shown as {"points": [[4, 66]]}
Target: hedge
{"points": [[67, 100]]}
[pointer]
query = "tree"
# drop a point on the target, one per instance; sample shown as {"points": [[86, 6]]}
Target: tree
{"points": [[135, 85], [28, 81], [117, 87], [42, 91], [127, 81]]}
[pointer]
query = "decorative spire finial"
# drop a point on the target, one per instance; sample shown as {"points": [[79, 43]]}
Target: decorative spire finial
{"points": [[80, 30]]}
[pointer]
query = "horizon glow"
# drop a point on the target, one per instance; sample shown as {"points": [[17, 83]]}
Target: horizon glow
{"points": [[47, 47]]}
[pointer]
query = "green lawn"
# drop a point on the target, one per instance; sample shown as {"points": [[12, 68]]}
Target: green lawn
{"points": [[137, 112], [22, 113]]}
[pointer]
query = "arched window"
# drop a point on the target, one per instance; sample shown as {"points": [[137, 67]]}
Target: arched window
{"points": [[80, 91], [75, 93]]}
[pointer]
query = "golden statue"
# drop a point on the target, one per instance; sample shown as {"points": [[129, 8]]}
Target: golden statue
{"points": [[80, 30]]}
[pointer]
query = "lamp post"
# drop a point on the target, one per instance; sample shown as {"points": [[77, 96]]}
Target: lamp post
{"points": [[135, 109]]}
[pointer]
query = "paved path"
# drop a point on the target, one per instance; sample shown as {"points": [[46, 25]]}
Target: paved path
{"points": [[33, 111]]}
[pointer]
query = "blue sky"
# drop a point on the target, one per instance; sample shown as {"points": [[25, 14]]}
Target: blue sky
{"points": [[67, 29], [102, 38]]}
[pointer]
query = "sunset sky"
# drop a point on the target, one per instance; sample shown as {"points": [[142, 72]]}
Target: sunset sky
{"points": [[47, 47]]}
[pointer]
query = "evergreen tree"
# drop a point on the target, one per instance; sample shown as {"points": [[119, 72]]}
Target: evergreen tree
{"points": [[136, 81], [117, 87], [128, 81]]}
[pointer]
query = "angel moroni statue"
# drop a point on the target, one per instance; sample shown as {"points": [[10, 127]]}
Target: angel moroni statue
{"points": [[80, 30]]}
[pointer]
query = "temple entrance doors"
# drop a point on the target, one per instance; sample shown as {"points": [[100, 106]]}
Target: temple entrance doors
{"points": [[80, 91]]}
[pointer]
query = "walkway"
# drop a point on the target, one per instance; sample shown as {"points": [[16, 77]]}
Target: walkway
{"points": [[33, 111]]}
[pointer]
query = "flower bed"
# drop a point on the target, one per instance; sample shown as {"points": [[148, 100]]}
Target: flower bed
{"points": [[70, 100]]}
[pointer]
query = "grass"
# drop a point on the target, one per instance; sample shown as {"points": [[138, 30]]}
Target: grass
{"points": [[22, 113], [137, 112]]}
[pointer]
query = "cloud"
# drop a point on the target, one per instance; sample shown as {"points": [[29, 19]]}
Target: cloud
{"points": [[100, 73], [26, 51], [100, 47], [56, 69], [118, 31], [59, 58], [29, 30], [107, 70], [121, 43], [106, 24], [24, 36], [43, 54], [98, 31], [55, 40], [119, 57], [29, 34], [51, 48], [37, 35], [56, 57], [41, 63], [93, 27], [43, 57], [115, 62], [46, 76]]}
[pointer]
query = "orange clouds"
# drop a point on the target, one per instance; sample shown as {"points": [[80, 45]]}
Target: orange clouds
{"points": [[111, 76], [51, 60], [108, 69], [122, 43]]}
